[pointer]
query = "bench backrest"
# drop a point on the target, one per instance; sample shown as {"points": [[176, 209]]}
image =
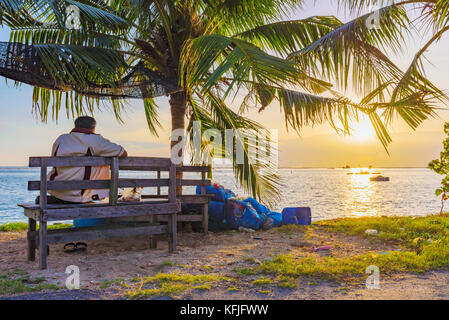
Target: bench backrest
{"points": [[115, 164], [158, 165]]}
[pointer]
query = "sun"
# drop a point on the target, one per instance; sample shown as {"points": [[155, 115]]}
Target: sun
{"points": [[362, 130]]}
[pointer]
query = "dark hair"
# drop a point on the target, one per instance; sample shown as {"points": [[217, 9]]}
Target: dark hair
{"points": [[85, 122]]}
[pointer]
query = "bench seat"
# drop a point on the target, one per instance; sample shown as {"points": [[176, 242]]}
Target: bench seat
{"points": [[99, 232], [57, 212], [185, 198]]}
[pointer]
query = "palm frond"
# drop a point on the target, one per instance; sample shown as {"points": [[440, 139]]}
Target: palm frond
{"points": [[207, 59], [80, 64], [413, 79], [350, 52], [285, 37], [152, 116], [48, 103], [258, 178]]}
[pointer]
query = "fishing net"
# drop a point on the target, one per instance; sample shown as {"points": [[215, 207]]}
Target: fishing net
{"points": [[22, 63]]}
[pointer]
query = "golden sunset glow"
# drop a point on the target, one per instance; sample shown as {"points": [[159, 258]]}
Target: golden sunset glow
{"points": [[362, 131]]}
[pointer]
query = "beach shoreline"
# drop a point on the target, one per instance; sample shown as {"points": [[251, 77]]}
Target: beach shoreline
{"points": [[275, 264]]}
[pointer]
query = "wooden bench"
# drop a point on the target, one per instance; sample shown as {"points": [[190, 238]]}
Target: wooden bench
{"points": [[202, 199], [44, 212]]}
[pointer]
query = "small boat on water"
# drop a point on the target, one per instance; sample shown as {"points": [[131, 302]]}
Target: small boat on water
{"points": [[363, 172], [379, 178]]}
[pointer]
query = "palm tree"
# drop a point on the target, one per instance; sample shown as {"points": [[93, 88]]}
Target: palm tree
{"points": [[433, 18], [202, 53]]}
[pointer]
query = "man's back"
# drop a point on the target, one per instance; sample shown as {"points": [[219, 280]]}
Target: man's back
{"points": [[82, 142]]}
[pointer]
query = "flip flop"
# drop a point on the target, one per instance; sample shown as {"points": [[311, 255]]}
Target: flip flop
{"points": [[70, 247], [81, 246]]}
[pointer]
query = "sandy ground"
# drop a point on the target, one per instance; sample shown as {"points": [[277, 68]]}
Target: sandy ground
{"points": [[219, 253]]}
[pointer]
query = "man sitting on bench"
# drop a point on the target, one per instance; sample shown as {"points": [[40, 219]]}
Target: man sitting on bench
{"points": [[81, 141]]}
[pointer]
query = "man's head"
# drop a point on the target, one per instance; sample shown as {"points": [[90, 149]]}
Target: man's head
{"points": [[84, 122]]}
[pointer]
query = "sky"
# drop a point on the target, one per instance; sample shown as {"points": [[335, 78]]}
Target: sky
{"points": [[23, 135]]}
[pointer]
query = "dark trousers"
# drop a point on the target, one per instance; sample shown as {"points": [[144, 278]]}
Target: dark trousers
{"points": [[54, 200]]}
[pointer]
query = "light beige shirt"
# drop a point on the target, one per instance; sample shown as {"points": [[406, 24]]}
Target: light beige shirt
{"points": [[76, 144]]}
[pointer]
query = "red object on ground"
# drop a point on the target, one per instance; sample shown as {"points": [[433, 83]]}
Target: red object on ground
{"points": [[314, 249]]}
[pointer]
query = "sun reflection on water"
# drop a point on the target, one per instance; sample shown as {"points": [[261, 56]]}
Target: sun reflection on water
{"points": [[361, 192]]}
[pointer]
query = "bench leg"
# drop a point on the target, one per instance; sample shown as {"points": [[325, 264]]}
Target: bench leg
{"points": [[172, 232], [153, 240], [42, 244], [206, 219], [31, 250]]}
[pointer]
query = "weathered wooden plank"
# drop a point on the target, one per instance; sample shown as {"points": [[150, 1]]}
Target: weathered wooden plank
{"points": [[31, 249], [98, 184], [166, 168], [136, 183], [99, 161], [70, 185], [193, 182], [92, 233], [153, 239], [195, 199], [35, 207], [159, 176], [111, 211], [69, 161], [172, 232], [145, 168], [43, 186], [151, 162], [172, 184], [195, 168], [206, 219], [205, 206], [33, 213], [113, 188], [185, 198], [182, 218], [42, 244]]}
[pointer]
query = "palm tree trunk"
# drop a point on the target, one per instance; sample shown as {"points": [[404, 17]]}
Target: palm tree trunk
{"points": [[178, 105]]}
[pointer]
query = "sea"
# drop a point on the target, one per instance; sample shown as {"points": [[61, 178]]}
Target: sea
{"points": [[330, 193]]}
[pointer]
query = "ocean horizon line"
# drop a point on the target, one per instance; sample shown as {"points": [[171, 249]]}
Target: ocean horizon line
{"points": [[282, 167]]}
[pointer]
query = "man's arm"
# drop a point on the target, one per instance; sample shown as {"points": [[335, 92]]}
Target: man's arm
{"points": [[105, 148]]}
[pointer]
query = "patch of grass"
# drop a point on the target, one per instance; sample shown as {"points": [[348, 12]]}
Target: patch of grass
{"points": [[58, 226], [413, 232], [251, 260], [287, 282], [109, 283], [234, 289], [19, 281], [244, 271], [264, 292], [165, 290], [262, 282], [14, 227], [23, 226], [171, 284], [168, 263], [207, 268], [203, 287]]}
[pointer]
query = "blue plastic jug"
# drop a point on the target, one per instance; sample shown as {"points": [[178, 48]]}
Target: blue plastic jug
{"points": [[298, 215]]}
